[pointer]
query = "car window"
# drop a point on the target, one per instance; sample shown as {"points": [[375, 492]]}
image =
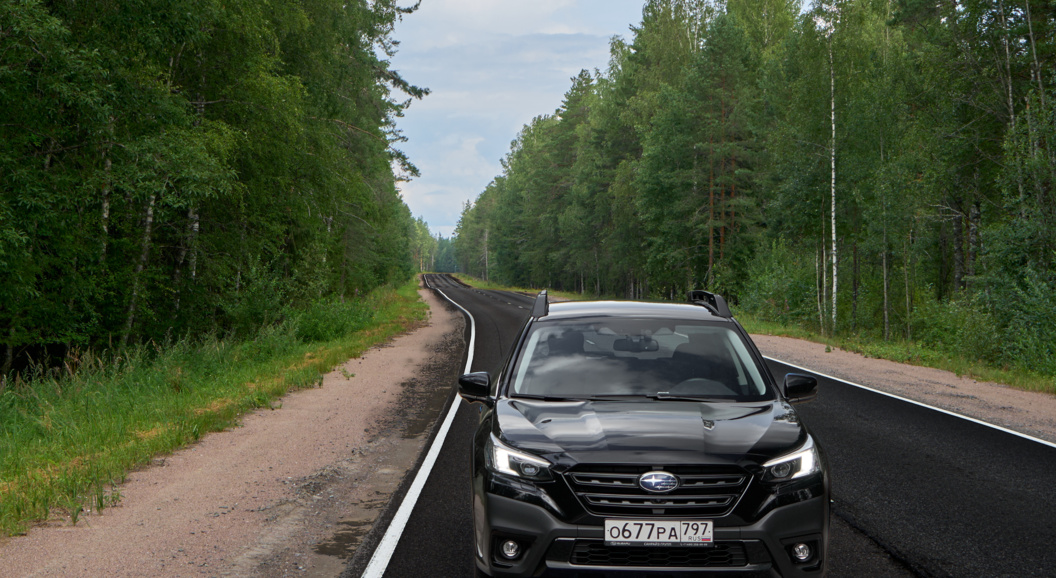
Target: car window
{"points": [[634, 357]]}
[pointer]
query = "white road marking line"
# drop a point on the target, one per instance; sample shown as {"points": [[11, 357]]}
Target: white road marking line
{"points": [[931, 407], [379, 562]]}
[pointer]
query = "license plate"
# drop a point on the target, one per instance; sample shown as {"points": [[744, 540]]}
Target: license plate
{"points": [[658, 532]]}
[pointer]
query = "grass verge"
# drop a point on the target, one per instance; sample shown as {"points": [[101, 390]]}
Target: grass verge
{"points": [[901, 351], [66, 441]]}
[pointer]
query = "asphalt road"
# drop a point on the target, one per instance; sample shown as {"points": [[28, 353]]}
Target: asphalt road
{"points": [[915, 492]]}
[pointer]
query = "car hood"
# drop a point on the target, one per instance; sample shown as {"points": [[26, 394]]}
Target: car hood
{"points": [[649, 432]]}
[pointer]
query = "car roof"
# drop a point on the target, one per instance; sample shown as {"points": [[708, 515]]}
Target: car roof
{"points": [[574, 309]]}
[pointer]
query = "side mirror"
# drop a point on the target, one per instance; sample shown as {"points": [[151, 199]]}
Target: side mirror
{"points": [[475, 386], [800, 387]]}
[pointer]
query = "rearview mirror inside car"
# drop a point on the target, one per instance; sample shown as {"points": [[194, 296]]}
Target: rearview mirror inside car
{"points": [[636, 344]]}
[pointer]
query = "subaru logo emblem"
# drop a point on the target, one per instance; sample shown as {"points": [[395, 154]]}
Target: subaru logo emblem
{"points": [[658, 482]]}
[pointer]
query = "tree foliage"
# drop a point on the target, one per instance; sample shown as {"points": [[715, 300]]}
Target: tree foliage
{"points": [[703, 157], [169, 168]]}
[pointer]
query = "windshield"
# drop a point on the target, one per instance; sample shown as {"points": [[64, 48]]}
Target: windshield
{"points": [[656, 358]]}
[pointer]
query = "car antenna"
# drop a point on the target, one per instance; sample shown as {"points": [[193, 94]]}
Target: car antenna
{"points": [[542, 306]]}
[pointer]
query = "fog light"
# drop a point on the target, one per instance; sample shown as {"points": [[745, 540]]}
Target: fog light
{"points": [[511, 549], [801, 552]]}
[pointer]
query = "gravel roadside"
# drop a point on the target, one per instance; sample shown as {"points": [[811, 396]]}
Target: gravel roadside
{"points": [[289, 491], [1027, 412]]}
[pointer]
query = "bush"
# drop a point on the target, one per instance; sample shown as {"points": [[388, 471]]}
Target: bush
{"points": [[780, 286], [963, 326], [1030, 336], [259, 303], [330, 319]]}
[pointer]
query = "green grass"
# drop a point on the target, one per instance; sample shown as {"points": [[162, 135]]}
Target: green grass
{"points": [[66, 440], [909, 352], [901, 351]]}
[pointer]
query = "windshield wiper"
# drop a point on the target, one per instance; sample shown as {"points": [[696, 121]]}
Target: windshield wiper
{"points": [[620, 397], [674, 397], [548, 397], [612, 397]]}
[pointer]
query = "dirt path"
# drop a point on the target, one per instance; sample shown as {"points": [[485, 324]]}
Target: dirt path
{"points": [[288, 492]]}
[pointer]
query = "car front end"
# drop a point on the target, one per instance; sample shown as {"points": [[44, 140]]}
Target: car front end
{"points": [[566, 512], [642, 438]]}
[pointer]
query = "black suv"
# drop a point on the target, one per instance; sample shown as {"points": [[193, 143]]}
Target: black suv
{"points": [[633, 436]]}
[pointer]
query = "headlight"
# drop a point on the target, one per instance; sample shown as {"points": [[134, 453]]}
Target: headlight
{"points": [[802, 462], [503, 459]]}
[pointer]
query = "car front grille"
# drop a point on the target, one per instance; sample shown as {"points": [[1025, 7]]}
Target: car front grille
{"points": [[596, 553], [614, 490]]}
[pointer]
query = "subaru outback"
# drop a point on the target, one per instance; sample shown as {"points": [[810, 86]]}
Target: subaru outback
{"points": [[642, 437]]}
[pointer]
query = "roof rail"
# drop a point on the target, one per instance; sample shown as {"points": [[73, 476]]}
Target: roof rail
{"points": [[713, 301], [542, 306]]}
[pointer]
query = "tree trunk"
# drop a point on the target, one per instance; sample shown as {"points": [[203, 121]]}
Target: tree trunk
{"points": [[107, 186], [711, 206], [1008, 65], [186, 247], [854, 291], [195, 226], [144, 252], [1034, 53], [958, 250], [973, 239], [9, 353], [887, 287], [909, 302], [818, 288], [485, 254], [832, 162], [597, 273], [1007, 79], [733, 194], [722, 171]]}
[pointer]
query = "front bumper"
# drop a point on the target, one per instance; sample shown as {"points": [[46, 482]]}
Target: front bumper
{"points": [[555, 548]]}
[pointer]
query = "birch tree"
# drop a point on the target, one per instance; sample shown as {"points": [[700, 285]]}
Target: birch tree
{"points": [[827, 22]]}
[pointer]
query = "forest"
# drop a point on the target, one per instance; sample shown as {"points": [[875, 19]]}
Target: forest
{"points": [[172, 169], [858, 167]]}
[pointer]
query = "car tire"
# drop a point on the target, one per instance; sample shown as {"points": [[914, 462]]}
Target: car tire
{"points": [[478, 573]]}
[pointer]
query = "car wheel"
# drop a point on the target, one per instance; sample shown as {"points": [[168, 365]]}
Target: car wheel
{"points": [[478, 573]]}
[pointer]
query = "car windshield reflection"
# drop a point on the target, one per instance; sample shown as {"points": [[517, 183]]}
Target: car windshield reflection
{"points": [[656, 359]]}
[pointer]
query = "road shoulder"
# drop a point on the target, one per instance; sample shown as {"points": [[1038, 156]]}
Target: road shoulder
{"points": [[1027, 412], [289, 490]]}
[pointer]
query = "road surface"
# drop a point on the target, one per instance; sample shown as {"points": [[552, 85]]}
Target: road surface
{"points": [[916, 492]]}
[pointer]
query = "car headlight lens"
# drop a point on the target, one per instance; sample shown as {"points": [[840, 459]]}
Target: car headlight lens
{"points": [[503, 459], [800, 463]]}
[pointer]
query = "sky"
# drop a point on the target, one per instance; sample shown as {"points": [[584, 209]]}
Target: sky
{"points": [[492, 66]]}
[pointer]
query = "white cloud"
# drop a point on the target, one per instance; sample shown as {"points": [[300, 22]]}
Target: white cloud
{"points": [[454, 172], [492, 66], [465, 20]]}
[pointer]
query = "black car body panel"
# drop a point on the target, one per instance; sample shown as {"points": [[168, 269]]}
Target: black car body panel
{"points": [[658, 431], [573, 426]]}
